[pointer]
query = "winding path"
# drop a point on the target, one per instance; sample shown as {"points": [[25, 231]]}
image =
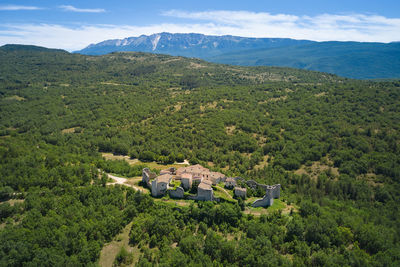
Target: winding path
{"points": [[226, 192]]}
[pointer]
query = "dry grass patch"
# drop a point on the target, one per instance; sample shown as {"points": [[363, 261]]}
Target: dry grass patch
{"points": [[178, 107], [158, 166], [273, 99], [110, 250], [211, 105], [69, 130], [111, 156], [278, 205], [370, 178], [15, 97], [12, 202], [230, 129], [171, 60], [176, 202], [317, 168], [320, 94], [116, 84], [194, 65], [263, 163]]}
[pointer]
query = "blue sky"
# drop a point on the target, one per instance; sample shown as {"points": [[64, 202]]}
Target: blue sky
{"points": [[72, 25]]}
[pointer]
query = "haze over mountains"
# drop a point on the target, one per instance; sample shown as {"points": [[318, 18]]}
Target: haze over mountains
{"points": [[349, 59]]}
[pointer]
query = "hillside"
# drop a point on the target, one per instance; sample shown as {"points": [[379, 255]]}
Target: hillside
{"points": [[332, 143], [349, 59]]}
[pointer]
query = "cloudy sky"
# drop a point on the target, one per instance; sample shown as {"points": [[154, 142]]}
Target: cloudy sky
{"points": [[73, 25]]}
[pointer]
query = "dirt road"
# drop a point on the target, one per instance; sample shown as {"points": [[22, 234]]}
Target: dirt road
{"points": [[123, 181]]}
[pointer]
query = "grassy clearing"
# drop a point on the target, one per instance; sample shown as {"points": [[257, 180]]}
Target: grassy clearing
{"points": [[111, 156], [175, 202], [318, 167], [226, 195], [276, 206], [158, 166], [110, 250], [151, 165], [12, 202], [68, 130], [15, 97]]}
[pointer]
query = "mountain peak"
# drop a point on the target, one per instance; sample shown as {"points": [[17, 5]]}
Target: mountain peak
{"points": [[187, 44]]}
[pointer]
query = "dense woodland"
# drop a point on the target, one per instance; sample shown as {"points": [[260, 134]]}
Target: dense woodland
{"points": [[59, 111]]}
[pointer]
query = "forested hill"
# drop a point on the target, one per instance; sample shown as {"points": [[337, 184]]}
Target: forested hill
{"points": [[359, 60], [349, 59], [332, 143]]}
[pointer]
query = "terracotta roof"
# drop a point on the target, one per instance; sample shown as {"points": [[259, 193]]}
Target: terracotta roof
{"points": [[198, 169], [186, 175], [217, 174]]}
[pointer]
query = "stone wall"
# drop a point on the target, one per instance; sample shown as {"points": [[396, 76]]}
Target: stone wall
{"points": [[274, 190], [177, 193], [204, 195], [240, 192], [254, 185], [271, 192], [158, 188], [266, 201], [147, 175]]}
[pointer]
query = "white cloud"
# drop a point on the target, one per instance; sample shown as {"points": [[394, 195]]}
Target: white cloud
{"points": [[82, 10], [324, 27], [16, 7], [74, 38]]}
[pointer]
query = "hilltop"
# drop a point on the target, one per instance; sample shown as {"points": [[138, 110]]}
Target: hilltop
{"points": [[360, 60], [67, 120]]}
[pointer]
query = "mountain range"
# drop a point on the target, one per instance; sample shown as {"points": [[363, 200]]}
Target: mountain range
{"points": [[360, 60]]}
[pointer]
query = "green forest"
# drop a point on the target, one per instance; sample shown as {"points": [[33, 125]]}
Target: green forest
{"points": [[332, 143]]}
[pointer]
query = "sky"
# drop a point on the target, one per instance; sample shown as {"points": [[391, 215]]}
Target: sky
{"points": [[73, 25]]}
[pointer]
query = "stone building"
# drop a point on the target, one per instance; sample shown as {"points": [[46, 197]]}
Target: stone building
{"points": [[171, 171], [189, 176], [147, 175], [240, 192], [205, 191], [160, 185], [230, 183], [186, 179], [216, 177], [200, 173]]}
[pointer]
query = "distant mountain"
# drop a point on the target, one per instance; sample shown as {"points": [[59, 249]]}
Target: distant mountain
{"points": [[188, 44], [348, 59]]}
